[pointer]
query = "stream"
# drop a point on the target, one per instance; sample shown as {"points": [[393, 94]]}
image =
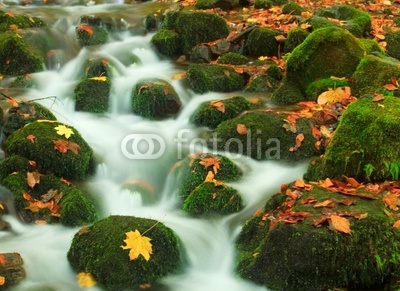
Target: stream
{"points": [[208, 242]]}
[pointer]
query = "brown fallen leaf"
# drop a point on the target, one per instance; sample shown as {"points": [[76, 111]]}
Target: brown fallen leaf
{"points": [[241, 129], [340, 224], [218, 105]]}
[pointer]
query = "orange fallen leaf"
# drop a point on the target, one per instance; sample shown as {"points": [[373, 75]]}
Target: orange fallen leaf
{"points": [[2, 260], [378, 97], [326, 203], [341, 224], [32, 178], [218, 105], [353, 182], [31, 137], [396, 224], [211, 162], [241, 129], [390, 87], [2, 280], [86, 28]]}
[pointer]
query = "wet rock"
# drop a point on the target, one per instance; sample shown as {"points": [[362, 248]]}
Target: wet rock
{"points": [[393, 44], [11, 269], [167, 43], [220, 47], [97, 250], [262, 42], [88, 35], [200, 54], [294, 38], [233, 58], [92, 94]]}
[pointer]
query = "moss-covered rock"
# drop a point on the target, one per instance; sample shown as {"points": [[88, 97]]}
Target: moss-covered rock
{"points": [[155, 98], [212, 113], [262, 4], [313, 59], [92, 94], [371, 46], [213, 198], [316, 22], [292, 8], [356, 21], [223, 4], [167, 43], [194, 170], [365, 143], [55, 147], [233, 58], [88, 35], [98, 67], [287, 93], [320, 86], [294, 38], [262, 42], [209, 77], [373, 72], [98, 251], [283, 250], [50, 199], [393, 44], [16, 57], [262, 83], [26, 112], [265, 137], [19, 21], [195, 27]]}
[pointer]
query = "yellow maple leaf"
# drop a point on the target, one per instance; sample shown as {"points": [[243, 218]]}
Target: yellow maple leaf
{"points": [[138, 245], [63, 130], [101, 78], [86, 280]]}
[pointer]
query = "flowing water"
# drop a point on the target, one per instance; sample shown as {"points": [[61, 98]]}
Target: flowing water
{"points": [[208, 243]]}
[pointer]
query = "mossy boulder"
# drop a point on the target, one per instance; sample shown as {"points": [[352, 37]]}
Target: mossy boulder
{"points": [[195, 27], [356, 21], [290, 246], [50, 199], [320, 86], [371, 46], [16, 57], [155, 98], [55, 147], [287, 93], [313, 59], [294, 38], [292, 8], [262, 42], [393, 44], [25, 112], [223, 4], [167, 43], [194, 169], [262, 4], [98, 67], [264, 136], [212, 113], [316, 22], [365, 143], [211, 198], [233, 58], [20, 21], [97, 250], [88, 35], [204, 78], [372, 73], [92, 94], [262, 83]]}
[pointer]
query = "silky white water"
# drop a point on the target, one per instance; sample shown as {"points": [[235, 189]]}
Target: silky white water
{"points": [[208, 242]]}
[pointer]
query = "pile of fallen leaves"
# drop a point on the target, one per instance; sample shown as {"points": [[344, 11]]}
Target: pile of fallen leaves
{"points": [[337, 220]]}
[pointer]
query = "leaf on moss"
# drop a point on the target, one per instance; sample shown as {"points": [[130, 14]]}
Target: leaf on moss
{"points": [[10, 14], [64, 130], [101, 78], [211, 162], [137, 245], [2, 280], [341, 224], [61, 145], [3, 260], [86, 28], [390, 87], [326, 203], [32, 178], [218, 105], [241, 129], [12, 102], [86, 280], [396, 224]]}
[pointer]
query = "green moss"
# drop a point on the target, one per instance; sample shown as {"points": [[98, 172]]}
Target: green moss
{"points": [[167, 43], [266, 138], [260, 4], [393, 44], [209, 77], [373, 73], [92, 95], [301, 256], [98, 67], [262, 42], [155, 98], [371, 46], [317, 22], [20, 21], [312, 59], [196, 27], [192, 173], [262, 83], [294, 38], [43, 152], [209, 199], [14, 164], [356, 148], [292, 8], [26, 112], [208, 4], [16, 183], [212, 116], [233, 58], [287, 93], [356, 21], [275, 72], [16, 57], [98, 251], [95, 35], [320, 86]]}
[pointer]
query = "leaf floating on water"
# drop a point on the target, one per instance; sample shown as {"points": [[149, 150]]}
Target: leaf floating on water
{"points": [[86, 280], [138, 245]]}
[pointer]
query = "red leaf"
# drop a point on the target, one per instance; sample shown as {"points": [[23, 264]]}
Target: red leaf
{"points": [[390, 87]]}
